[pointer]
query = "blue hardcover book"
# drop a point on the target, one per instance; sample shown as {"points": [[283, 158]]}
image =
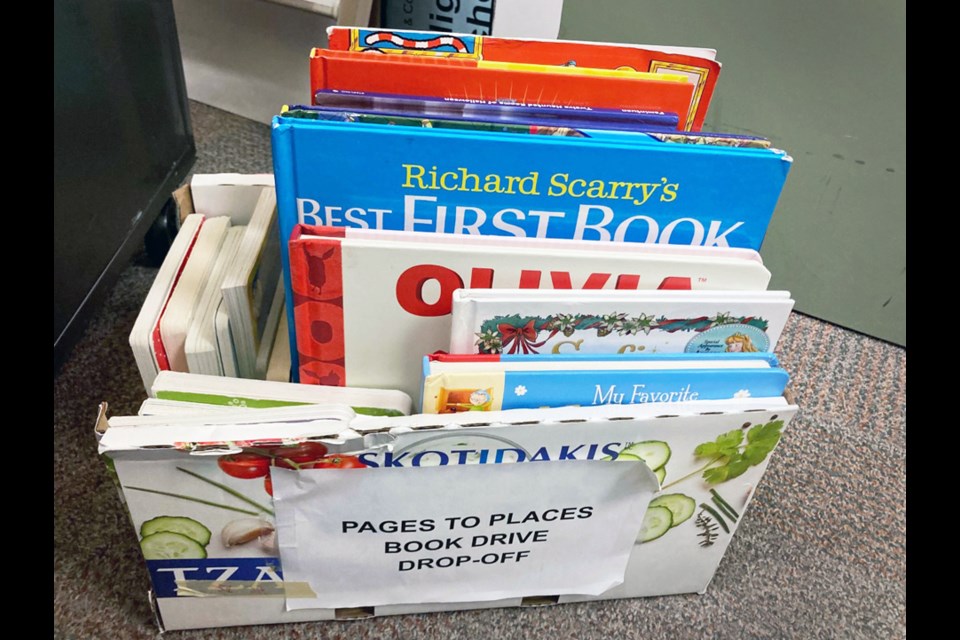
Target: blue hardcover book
{"points": [[455, 383], [630, 187]]}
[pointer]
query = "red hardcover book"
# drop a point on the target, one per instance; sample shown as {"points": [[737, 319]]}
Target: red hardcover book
{"points": [[471, 79], [698, 65]]}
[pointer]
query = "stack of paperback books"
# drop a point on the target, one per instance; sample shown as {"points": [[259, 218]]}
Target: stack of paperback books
{"points": [[494, 251], [216, 303]]}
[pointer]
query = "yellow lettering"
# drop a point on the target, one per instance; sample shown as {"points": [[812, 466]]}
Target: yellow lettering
{"points": [[576, 345], [558, 180], [531, 188], [669, 192], [492, 184], [466, 175], [629, 348], [575, 182], [614, 186], [596, 189], [648, 190], [411, 176], [443, 181]]}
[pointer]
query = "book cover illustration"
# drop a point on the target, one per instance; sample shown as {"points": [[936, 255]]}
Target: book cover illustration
{"points": [[367, 305], [522, 322], [453, 384], [699, 66]]}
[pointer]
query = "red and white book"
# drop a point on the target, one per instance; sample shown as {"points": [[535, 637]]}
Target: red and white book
{"points": [[182, 305], [368, 305], [145, 339]]}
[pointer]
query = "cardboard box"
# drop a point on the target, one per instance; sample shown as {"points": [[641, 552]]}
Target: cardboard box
{"points": [[244, 583]]}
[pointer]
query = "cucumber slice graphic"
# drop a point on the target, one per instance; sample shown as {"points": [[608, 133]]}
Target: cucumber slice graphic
{"points": [[654, 452], [661, 474], [681, 506], [656, 522], [177, 524], [167, 545]]}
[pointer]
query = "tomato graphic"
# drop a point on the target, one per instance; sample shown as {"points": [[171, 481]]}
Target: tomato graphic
{"points": [[337, 462], [268, 484], [244, 465], [297, 454]]}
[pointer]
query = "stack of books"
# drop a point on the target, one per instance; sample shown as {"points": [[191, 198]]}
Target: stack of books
{"points": [[564, 187], [493, 251], [216, 303]]}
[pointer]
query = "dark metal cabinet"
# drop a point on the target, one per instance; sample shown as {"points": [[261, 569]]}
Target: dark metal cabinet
{"points": [[122, 143]]}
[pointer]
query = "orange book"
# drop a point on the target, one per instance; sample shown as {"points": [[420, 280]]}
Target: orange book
{"points": [[699, 65], [472, 79]]}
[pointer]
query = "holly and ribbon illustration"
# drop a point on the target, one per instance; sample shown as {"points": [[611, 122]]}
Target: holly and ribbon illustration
{"points": [[521, 334]]}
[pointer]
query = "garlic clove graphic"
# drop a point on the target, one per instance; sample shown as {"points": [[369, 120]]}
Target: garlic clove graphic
{"points": [[244, 530]]}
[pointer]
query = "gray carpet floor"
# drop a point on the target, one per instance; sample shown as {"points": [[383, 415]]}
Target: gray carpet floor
{"points": [[820, 554]]}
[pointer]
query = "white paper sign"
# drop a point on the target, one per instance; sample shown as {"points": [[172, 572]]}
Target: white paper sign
{"points": [[459, 533]]}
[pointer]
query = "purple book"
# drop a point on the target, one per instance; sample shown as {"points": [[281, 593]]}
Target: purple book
{"points": [[502, 112]]}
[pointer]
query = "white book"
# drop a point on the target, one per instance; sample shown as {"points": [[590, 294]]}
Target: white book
{"points": [[278, 368], [203, 355], [175, 319], [145, 327], [250, 289], [614, 321], [228, 194], [225, 346], [188, 387], [158, 407], [271, 328]]}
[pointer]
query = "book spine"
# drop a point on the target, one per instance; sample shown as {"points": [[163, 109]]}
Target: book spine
{"points": [[163, 362], [316, 275], [285, 184], [486, 391]]}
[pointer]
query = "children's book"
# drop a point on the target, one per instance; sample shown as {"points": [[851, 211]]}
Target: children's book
{"points": [[569, 128], [481, 79], [528, 186], [699, 65], [456, 383], [336, 115], [226, 350], [253, 289], [145, 339], [176, 318], [203, 355], [493, 111], [369, 304], [265, 394], [278, 367], [518, 321]]}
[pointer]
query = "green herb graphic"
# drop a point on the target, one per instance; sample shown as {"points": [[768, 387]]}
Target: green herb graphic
{"points": [[731, 454]]}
